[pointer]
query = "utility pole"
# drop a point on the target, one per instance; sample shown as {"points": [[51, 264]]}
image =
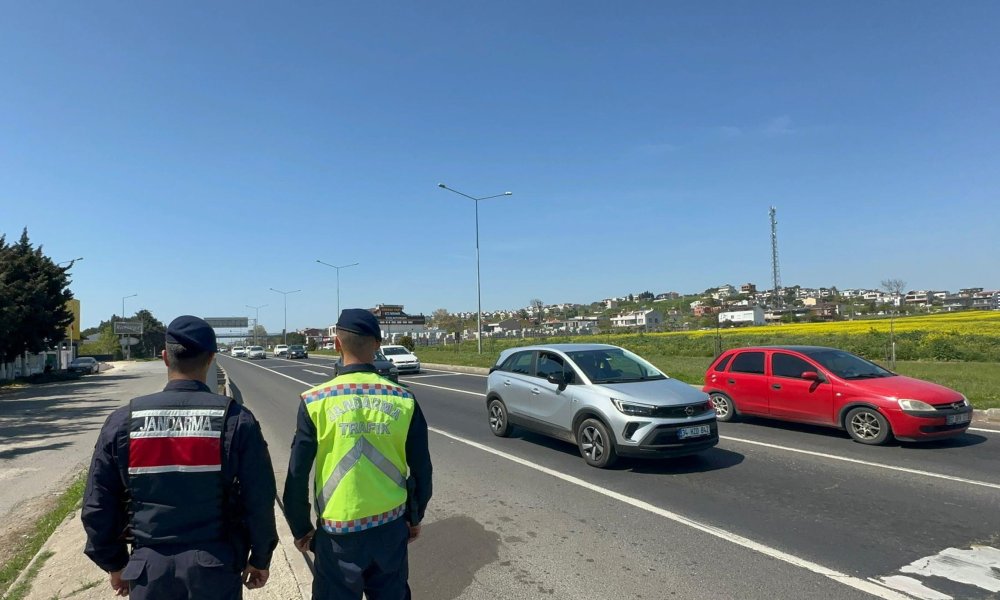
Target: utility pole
{"points": [[256, 320], [776, 302]]}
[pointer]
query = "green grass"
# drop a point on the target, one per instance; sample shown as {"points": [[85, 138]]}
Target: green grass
{"points": [[977, 380], [68, 502], [20, 591]]}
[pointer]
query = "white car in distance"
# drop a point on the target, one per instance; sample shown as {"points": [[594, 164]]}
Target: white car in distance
{"points": [[239, 351], [280, 350], [405, 361]]}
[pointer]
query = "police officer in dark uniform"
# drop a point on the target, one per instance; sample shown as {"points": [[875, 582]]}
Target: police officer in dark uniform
{"points": [[184, 476], [367, 438]]}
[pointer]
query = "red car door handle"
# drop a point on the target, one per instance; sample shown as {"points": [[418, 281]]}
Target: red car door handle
{"points": [[731, 380], [776, 386]]}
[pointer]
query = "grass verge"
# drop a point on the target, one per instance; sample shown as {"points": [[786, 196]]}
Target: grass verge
{"points": [[977, 380], [43, 528]]}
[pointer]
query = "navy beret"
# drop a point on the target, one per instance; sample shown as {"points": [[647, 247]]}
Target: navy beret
{"points": [[192, 333], [359, 321]]}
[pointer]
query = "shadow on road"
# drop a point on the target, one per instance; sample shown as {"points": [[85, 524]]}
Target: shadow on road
{"points": [[445, 558]]}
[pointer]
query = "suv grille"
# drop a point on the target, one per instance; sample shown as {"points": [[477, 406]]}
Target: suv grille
{"points": [[681, 412]]}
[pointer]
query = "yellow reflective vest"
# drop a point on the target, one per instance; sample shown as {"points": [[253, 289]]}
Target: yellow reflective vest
{"points": [[361, 422]]}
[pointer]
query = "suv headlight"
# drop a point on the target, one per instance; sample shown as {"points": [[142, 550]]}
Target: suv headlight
{"points": [[913, 404], [633, 408]]}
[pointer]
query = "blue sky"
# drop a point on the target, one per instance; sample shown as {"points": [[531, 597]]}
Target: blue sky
{"points": [[199, 154]]}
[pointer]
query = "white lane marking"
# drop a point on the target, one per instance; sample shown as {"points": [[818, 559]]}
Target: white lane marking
{"points": [[982, 429], [913, 587], [317, 373], [441, 387], [865, 462], [809, 452], [869, 587], [979, 566], [426, 376], [253, 364]]}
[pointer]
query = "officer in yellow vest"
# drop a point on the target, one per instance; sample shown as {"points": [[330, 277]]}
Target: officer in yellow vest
{"points": [[368, 440]]}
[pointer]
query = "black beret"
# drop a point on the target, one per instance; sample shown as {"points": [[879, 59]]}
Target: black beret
{"points": [[359, 321], [192, 333]]}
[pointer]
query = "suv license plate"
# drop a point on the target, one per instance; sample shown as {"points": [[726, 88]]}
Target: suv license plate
{"points": [[956, 419], [689, 432]]}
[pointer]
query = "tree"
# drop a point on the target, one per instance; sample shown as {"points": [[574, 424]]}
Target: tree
{"points": [[296, 338], [537, 305], [407, 342], [153, 338], [894, 287], [33, 296]]}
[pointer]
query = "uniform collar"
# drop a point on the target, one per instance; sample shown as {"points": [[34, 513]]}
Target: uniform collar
{"points": [[358, 368], [186, 385]]}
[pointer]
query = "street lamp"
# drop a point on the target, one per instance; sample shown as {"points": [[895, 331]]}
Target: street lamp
{"points": [[479, 292], [338, 279], [127, 348], [69, 262], [256, 320], [284, 339]]}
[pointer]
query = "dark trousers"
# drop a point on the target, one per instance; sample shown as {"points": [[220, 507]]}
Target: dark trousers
{"points": [[161, 573], [373, 562]]}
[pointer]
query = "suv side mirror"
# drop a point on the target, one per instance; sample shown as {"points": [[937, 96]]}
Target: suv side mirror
{"points": [[557, 379]]}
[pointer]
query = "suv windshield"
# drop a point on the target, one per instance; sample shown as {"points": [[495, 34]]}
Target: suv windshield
{"points": [[394, 351], [848, 366], [614, 365]]}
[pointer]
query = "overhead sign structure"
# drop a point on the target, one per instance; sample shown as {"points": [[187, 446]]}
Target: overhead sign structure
{"points": [[228, 322], [128, 327]]}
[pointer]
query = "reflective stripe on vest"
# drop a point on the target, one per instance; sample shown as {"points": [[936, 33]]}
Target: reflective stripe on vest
{"points": [[361, 424]]}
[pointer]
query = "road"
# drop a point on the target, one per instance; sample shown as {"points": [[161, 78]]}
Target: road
{"points": [[775, 511]]}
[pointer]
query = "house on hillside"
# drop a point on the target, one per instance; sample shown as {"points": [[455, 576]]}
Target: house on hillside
{"points": [[646, 320], [748, 316]]}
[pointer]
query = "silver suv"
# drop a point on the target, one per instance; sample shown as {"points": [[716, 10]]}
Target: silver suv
{"points": [[605, 399]]}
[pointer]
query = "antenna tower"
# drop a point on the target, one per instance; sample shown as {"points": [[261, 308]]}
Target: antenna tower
{"points": [[775, 270]]}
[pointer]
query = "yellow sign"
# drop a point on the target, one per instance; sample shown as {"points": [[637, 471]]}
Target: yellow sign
{"points": [[73, 330]]}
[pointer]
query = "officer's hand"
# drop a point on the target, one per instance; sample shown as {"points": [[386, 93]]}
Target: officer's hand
{"points": [[254, 578], [120, 587], [303, 542], [414, 532]]}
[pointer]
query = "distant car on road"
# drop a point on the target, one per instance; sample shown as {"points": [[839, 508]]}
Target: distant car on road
{"points": [[405, 361], [256, 352], [85, 364], [280, 350], [239, 351], [329, 346], [382, 365], [827, 386], [223, 350], [605, 399], [297, 351]]}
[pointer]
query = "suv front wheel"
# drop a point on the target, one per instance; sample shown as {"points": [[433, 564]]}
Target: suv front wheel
{"points": [[597, 447], [499, 424]]}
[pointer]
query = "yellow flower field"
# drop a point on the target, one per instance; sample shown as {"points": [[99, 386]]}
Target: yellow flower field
{"points": [[969, 322]]}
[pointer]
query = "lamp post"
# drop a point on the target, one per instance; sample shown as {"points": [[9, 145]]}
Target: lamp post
{"points": [[338, 279], [284, 335], [126, 348], [479, 291], [256, 320]]}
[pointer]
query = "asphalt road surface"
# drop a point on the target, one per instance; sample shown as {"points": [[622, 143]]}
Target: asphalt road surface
{"points": [[775, 511]]}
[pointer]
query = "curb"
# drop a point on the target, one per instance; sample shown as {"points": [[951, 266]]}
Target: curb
{"points": [[456, 368], [990, 414]]}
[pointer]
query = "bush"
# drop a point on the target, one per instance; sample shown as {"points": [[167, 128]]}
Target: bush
{"points": [[407, 342]]}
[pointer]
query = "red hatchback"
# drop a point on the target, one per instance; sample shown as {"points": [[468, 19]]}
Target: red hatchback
{"points": [[826, 386]]}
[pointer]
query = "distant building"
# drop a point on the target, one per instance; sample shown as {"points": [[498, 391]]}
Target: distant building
{"points": [[393, 320], [749, 316], [647, 320], [748, 289]]}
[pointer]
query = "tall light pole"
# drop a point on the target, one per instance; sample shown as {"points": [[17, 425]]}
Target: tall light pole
{"points": [[69, 262], [479, 291], [338, 279], [256, 321], [126, 348], [284, 339]]}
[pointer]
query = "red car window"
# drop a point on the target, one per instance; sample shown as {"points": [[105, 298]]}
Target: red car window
{"points": [[787, 365], [748, 362]]}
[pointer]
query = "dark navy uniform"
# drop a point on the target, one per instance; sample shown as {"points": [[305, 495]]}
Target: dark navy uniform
{"points": [[368, 555], [184, 476]]}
